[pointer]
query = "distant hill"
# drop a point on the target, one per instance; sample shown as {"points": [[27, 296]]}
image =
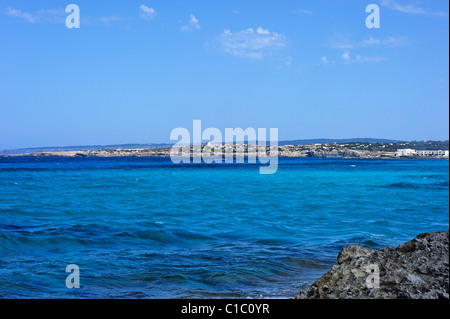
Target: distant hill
{"points": [[338, 141], [80, 148], [426, 145]]}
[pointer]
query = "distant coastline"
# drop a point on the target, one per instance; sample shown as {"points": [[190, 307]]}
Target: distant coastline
{"points": [[343, 150], [135, 146]]}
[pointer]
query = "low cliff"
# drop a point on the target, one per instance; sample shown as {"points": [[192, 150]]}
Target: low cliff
{"points": [[418, 269]]}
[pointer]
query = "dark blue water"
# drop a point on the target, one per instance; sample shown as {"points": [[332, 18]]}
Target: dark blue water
{"points": [[146, 228]]}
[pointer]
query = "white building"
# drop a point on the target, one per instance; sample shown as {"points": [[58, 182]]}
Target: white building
{"points": [[439, 153], [426, 153], [405, 152]]}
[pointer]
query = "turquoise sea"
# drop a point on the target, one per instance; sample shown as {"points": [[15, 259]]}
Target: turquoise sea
{"points": [[147, 228]]}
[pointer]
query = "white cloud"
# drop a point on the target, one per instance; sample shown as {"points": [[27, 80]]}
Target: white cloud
{"points": [[147, 13], [346, 56], [252, 44], [192, 26], [325, 60], [411, 8], [262, 31]]}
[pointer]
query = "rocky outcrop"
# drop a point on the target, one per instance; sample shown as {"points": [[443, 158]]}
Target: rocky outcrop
{"points": [[418, 269]]}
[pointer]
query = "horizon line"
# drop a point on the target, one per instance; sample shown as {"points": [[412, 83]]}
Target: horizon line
{"points": [[162, 144]]}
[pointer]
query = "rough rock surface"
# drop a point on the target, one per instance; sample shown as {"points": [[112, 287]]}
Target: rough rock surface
{"points": [[418, 269]]}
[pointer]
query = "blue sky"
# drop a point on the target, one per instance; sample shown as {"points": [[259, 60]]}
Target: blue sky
{"points": [[135, 70]]}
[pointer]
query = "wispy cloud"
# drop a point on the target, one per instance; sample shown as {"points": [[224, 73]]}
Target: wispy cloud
{"points": [[59, 15], [341, 41], [390, 42], [110, 19], [193, 25], [344, 41], [347, 58], [252, 44], [441, 81], [147, 13], [301, 11], [47, 15], [411, 8], [393, 42], [324, 60], [346, 44], [17, 13], [369, 59]]}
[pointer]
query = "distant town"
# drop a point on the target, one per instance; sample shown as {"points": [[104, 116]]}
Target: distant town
{"points": [[423, 149]]}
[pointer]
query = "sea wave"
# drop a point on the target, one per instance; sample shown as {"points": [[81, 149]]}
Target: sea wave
{"points": [[409, 185]]}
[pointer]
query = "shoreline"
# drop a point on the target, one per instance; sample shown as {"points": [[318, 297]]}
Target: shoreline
{"points": [[334, 150], [283, 152], [81, 155]]}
